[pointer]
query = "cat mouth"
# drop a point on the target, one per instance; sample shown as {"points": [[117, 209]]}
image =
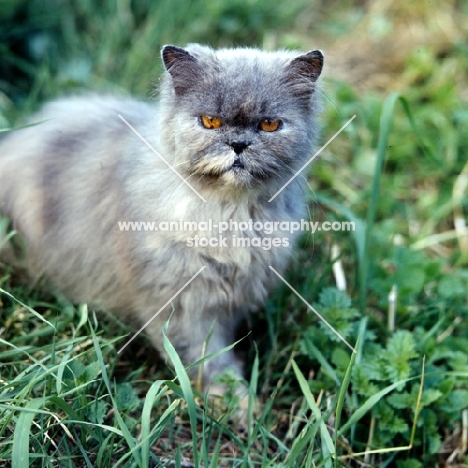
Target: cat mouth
{"points": [[246, 172], [237, 172], [237, 167], [237, 164]]}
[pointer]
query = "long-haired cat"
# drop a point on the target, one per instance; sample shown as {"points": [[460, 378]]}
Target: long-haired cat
{"points": [[232, 127]]}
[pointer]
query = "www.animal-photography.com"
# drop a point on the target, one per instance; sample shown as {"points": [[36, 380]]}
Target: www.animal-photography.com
{"points": [[233, 234]]}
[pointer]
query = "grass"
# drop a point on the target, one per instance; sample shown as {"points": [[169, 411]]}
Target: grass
{"points": [[399, 171]]}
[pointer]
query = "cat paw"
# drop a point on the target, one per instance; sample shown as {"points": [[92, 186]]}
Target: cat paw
{"points": [[232, 401]]}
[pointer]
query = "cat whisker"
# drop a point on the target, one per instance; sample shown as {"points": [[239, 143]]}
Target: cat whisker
{"points": [[325, 96]]}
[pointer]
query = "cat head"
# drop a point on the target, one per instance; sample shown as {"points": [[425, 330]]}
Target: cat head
{"points": [[239, 118]]}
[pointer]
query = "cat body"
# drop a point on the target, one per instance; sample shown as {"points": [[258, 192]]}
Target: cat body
{"points": [[208, 153]]}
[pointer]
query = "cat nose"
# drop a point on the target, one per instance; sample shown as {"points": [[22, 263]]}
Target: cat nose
{"points": [[239, 146]]}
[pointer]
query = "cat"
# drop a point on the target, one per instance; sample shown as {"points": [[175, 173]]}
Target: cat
{"points": [[231, 128]]}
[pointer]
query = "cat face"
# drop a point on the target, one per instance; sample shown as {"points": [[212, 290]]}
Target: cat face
{"points": [[240, 117]]}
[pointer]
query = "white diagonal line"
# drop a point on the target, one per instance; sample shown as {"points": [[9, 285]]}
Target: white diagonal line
{"points": [[161, 157], [321, 317], [312, 158], [160, 310]]}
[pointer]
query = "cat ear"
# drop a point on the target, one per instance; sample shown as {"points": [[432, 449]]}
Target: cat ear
{"points": [[182, 66], [302, 73], [308, 65]]}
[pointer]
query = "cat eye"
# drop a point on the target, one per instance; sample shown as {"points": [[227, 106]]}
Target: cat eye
{"points": [[211, 122], [267, 125]]}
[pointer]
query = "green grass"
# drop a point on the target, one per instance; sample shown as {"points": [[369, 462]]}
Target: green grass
{"points": [[399, 171]]}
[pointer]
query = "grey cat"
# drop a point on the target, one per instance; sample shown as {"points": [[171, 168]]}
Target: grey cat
{"points": [[235, 124]]}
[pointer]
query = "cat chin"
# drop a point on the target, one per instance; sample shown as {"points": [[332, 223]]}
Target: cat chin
{"points": [[224, 172], [237, 178], [221, 171], [233, 181], [213, 166]]}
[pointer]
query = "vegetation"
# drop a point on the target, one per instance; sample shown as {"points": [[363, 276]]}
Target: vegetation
{"points": [[399, 170]]}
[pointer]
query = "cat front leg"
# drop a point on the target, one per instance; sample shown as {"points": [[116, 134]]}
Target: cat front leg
{"points": [[200, 337], [196, 335]]}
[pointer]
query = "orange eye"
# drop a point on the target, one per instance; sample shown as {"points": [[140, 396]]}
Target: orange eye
{"points": [[211, 122], [269, 125]]}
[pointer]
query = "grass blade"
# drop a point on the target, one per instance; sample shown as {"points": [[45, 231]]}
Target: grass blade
{"points": [[152, 397], [342, 394], [328, 449], [369, 404], [252, 392], [187, 391], [20, 454], [386, 120], [123, 427], [29, 309]]}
